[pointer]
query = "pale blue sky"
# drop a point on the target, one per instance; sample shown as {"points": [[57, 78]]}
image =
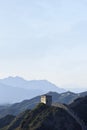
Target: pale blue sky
{"points": [[44, 40]]}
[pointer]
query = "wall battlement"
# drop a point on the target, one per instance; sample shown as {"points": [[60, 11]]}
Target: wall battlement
{"points": [[46, 99]]}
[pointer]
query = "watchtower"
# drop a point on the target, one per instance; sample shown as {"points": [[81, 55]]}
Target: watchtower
{"points": [[46, 99]]}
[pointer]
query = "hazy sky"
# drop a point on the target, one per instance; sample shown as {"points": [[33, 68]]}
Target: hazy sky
{"points": [[44, 39]]}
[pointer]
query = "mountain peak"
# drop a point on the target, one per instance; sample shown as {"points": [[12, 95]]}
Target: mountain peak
{"points": [[13, 78]]}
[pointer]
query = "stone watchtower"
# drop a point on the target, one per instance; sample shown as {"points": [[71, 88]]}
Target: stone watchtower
{"points": [[46, 99]]}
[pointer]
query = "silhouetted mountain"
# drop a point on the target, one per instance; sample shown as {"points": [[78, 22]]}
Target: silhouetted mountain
{"points": [[44, 118], [17, 108], [79, 106], [5, 121], [47, 117], [65, 98], [83, 94], [17, 121]]}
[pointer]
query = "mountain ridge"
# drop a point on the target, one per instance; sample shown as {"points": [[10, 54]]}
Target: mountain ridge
{"points": [[31, 103]]}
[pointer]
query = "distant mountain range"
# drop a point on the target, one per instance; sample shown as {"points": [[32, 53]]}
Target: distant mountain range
{"points": [[16, 89], [15, 109]]}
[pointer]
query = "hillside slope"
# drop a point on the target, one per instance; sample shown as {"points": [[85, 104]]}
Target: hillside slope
{"points": [[79, 106], [5, 121], [45, 118], [17, 108]]}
